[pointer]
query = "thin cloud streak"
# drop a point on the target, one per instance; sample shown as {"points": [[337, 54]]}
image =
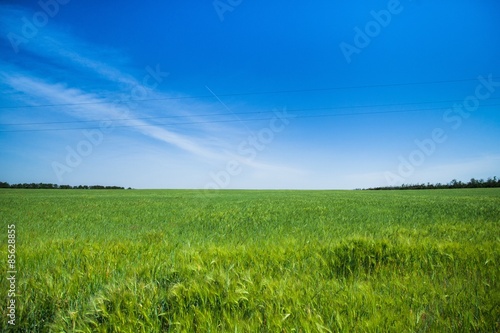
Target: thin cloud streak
{"points": [[57, 93], [76, 56]]}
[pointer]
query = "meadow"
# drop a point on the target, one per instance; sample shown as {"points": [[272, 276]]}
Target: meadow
{"points": [[253, 261]]}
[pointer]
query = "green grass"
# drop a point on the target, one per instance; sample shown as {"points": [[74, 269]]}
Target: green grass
{"points": [[254, 261]]}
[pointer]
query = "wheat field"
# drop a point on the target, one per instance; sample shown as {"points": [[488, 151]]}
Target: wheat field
{"points": [[253, 261]]}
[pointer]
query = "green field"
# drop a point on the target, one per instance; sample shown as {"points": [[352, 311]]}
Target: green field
{"points": [[253, 261]]}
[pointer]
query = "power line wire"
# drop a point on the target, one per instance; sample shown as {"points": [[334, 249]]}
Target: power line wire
{"points": [[233, 120], [245, 93], [237, 113]]}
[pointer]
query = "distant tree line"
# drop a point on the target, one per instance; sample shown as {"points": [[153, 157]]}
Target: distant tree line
{"points": [[59, 187], [473, 183]]}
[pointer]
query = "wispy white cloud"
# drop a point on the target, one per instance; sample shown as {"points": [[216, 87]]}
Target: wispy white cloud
{"points": [[70, 74], [98, 67], [76, 55], [90, 107]]}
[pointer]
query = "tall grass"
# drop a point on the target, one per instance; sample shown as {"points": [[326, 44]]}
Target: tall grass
{"points": [[254, 261]]}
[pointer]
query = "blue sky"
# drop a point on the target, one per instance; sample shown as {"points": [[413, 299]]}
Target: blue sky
{"points": [[249, 94]]}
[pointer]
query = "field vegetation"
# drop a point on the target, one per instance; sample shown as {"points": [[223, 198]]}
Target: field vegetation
{"points": [[253, 261]]}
